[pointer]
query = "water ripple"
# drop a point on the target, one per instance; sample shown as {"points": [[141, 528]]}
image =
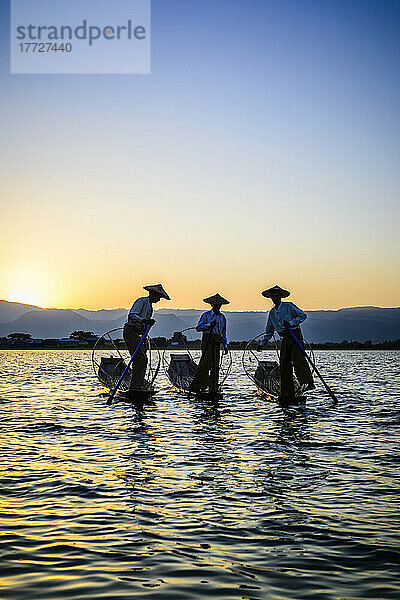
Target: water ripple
{"points": [[186, 500]]}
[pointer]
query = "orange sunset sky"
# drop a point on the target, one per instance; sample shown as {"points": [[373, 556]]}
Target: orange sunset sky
{"points": [[241, 161]]}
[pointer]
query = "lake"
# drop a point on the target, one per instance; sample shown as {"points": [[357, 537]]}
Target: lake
{"points": [[188, 500]]}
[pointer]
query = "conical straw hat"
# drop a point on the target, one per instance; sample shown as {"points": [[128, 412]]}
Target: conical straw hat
{"points": [[276, 288], [157, 288], [216, 299]]}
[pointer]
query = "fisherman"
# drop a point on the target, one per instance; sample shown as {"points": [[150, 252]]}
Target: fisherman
{"points": [[282, 317], [212, 324], [139, 318]]}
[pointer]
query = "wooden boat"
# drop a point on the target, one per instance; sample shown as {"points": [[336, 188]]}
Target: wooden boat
{"points": [[265, 375], [181, 370], [267, 380], [110, 357], [110, 370], [180, 367]]}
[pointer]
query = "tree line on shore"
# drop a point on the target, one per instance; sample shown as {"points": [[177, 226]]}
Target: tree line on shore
{"points": [[178, 341]]}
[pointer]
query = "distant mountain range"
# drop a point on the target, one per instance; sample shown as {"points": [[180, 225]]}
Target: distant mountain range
{"points": [[363, 323]]}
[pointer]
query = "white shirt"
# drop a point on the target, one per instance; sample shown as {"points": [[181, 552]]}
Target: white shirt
{"points": [[219, 327], [286, 311], [141, 309]]}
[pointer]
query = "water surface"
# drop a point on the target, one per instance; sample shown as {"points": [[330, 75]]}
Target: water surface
{"points": [[188, 500]]}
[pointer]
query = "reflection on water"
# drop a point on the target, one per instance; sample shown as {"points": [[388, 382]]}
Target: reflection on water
{"points": [[188, 499]]}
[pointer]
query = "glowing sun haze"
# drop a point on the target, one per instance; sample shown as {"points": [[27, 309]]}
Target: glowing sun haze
{"points": [[263, 148], [26, 287]]}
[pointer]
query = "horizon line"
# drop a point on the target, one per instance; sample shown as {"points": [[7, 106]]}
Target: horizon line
{"points": [[267, 308]]}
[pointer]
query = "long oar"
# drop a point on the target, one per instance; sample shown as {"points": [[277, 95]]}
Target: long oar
{"points": [[111, 396], [328, 389]]}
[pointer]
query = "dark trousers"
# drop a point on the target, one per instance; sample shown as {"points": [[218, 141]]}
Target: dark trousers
{"points": [[207, 373], [132, 338], [291, 355]]}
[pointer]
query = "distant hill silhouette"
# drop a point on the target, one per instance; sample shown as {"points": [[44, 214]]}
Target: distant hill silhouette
{"points": [[103, 314], [12, 310], [362, 323]]}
